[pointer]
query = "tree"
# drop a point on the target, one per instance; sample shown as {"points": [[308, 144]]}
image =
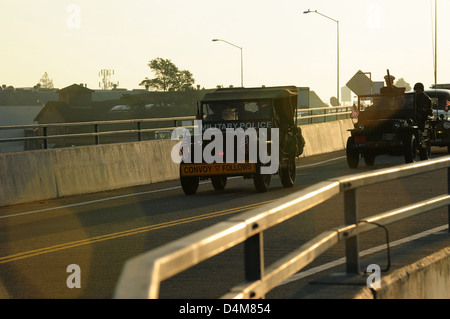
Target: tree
{"points": [[185, 81], [168, 76], [334, 101], [46, 82], [403, 84]]}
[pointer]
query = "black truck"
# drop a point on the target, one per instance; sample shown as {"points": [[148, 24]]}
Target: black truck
{"points": [[387, 124]]}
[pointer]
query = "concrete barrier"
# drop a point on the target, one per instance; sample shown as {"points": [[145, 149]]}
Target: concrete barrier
{"points": [[428, 278], [326, 137], [420, 270], [44, 174], [26, 177]]}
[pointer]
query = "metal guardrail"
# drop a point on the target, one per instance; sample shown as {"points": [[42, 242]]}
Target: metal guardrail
{"points": [[325, 112], [142, 275], [96, 127]]}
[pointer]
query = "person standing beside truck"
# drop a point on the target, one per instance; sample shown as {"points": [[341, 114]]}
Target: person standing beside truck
{"points": [[423, 105]]}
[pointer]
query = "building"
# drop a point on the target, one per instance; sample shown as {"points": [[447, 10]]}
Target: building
{"points": [[19, 106], [74, 104]]}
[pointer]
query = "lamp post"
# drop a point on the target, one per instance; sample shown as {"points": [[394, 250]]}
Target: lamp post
{"points": [[242, 65], [435, 44], [337, 22]]}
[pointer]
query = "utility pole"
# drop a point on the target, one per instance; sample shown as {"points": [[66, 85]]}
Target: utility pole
{"points": [[337, 33], [435, 43], [242, 63]]}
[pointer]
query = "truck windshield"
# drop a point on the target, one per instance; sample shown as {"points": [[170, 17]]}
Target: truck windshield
{"points": [[237, 110]]}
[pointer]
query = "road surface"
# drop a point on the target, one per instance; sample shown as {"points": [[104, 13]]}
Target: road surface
{"points": [[40, 242]]}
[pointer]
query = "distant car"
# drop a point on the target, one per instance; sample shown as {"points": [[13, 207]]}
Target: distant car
{"points": [[440, 99], [163, 135], [386, 125]]}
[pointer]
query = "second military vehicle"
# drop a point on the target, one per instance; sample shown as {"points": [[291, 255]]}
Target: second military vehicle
{"points": [[387, 125]]}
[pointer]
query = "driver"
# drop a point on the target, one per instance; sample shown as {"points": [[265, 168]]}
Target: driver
{"points": [[215, 113], [221, 112]]}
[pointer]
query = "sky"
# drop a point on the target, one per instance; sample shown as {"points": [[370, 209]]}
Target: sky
{"points": [[72, 40]]}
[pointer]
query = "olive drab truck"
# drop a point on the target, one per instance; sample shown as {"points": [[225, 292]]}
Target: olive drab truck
{"points": [[247, 132]]}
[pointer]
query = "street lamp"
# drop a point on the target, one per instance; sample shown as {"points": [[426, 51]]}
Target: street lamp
{"points": [[337, 22], [242, 65], [435, 44]]}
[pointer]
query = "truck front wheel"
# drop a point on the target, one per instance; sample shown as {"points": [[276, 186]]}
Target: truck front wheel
{"points": [[219, 182], [262, 182], [190, 184], [352, 154], [288, 172], [411, 149]]}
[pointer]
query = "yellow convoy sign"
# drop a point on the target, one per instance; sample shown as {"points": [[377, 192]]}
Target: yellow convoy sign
{"points": [[217, 169]]}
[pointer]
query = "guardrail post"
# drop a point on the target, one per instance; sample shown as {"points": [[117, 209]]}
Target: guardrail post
{"points": [[254, 257], [97, 137], [45, 137], [352, 243], [139, 133], [448, 192]]}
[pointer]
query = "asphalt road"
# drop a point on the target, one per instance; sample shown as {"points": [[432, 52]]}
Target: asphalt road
{"points": [[99, 232]]}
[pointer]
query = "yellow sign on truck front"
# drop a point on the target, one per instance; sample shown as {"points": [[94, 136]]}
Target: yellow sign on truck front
{"points": [[217, 169]]}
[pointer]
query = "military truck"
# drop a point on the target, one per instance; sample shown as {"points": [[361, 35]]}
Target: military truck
{"points": [[387, 125], [248, 132]]}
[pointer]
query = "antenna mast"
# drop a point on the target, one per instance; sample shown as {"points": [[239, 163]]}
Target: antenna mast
{"points": [[105, 76]]}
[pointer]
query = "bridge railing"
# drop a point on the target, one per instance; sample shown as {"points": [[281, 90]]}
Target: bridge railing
{"points": [[323, 114], [60, 129], [40, 136], [142, 275]]}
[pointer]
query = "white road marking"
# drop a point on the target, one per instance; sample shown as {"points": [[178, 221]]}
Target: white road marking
{"points": [[322, 162], [127, 195], [90, 202]]}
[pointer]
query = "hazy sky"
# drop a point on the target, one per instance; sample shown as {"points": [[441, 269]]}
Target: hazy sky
{"points": [[73, 40]]}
